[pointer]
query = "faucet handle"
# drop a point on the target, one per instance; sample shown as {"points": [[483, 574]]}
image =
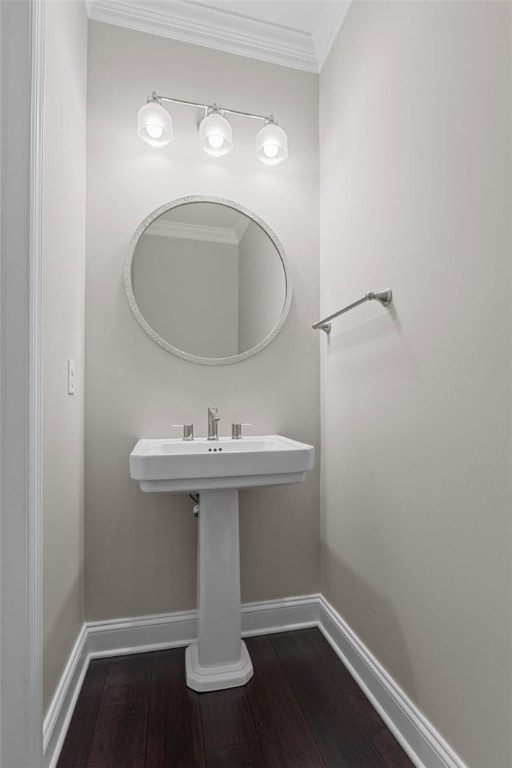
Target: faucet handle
{"points": [[236, 430], [188, 431]]}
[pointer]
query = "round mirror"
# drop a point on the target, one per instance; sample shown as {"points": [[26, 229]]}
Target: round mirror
{"points": [[207, 280]]}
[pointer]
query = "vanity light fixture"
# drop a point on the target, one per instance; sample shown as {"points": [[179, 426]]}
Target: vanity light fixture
{"points": [[154, 123], [215, 133], [271, 143], [154, 126]]}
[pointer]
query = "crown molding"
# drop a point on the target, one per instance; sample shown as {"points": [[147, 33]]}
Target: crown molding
{"points": [[329, 24], [182, 231], [192, 22], [201, 25]]}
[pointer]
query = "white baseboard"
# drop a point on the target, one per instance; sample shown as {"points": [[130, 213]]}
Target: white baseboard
{"points": [[424, 745], [61, 708], [426, 748], [150, 633], [280, 615]]}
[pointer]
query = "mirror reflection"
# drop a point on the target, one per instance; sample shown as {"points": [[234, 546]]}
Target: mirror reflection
{"points": [[208, 279]]}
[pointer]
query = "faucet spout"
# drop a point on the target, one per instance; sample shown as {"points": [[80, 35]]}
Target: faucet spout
{"points": [[213, 423]]}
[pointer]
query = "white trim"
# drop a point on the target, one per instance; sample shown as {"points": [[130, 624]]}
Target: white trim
{"points": [[61, 709], [332, 17], [225, 30], [285, 615], [35, 384], [182, 231], [149, 633], [424, 745], [21, 96], [152, 633], [211, 27], [140, 635]]}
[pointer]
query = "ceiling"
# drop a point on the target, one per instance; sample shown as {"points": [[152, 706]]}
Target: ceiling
{"points": [[294, 33]]}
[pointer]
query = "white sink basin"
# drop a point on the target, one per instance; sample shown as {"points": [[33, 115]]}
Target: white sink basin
{"points": [[178, 465]]}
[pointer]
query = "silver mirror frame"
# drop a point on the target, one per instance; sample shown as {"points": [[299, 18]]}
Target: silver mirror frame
{"points": [[128, 286]]}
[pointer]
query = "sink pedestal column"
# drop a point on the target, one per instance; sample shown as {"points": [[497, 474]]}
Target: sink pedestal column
{"points": [[219, 659]]}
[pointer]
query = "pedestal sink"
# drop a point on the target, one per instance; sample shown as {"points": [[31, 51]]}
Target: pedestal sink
{"points": [[216, 469]]}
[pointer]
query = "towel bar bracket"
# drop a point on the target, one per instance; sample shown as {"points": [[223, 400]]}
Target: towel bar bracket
{"points": [[383, 296]]}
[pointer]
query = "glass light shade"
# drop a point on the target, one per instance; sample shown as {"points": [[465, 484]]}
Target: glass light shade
{"points": [[154, 124], [215, 135], [271, 144]]}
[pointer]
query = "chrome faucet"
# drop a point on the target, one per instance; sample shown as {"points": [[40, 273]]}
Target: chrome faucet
{"points": [[213, 423]]}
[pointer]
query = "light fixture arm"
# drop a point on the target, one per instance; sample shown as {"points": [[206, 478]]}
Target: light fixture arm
{"points": [[156, 97]]}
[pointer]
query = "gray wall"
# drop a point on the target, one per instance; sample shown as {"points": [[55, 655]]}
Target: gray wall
{"points": [[141, 548], [63, 331], [415, 195], [262, 287], [187, 290]]}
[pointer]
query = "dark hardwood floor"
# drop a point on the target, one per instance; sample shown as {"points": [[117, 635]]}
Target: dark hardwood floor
{"points": [[302, 709]]}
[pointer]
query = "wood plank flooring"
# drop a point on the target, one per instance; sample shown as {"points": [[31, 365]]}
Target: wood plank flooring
{"points": [[302, 709]]}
